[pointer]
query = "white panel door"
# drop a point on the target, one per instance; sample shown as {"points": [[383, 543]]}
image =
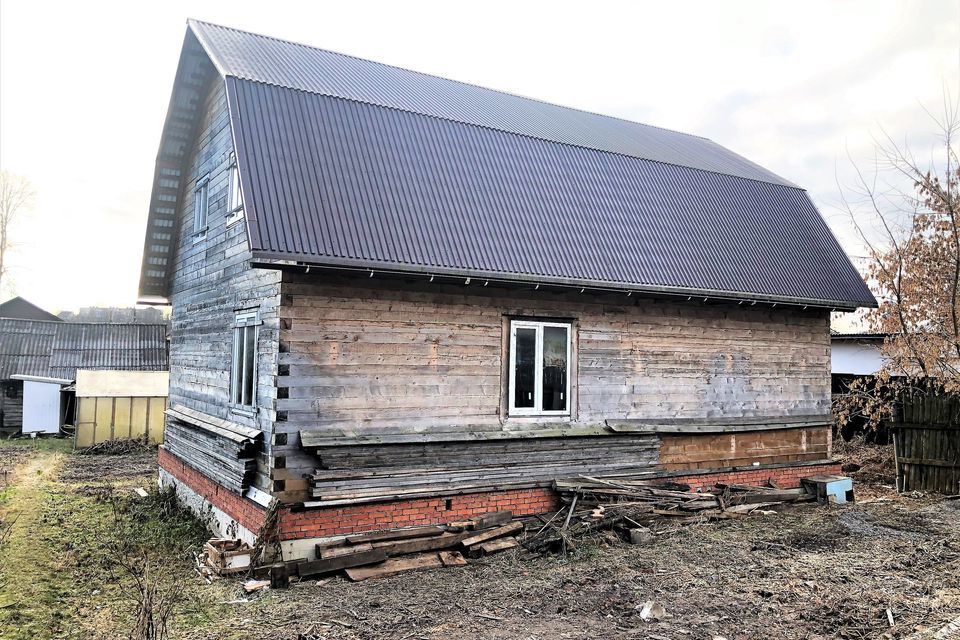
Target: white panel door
{"points": [[41, 407]]}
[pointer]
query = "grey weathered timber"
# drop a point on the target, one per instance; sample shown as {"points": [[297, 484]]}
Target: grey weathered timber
{"points": [[926, 437], [212, 280]]}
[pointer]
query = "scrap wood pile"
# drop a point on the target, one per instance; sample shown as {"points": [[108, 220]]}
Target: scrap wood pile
{"points": [[632, 507], [384, 553]]}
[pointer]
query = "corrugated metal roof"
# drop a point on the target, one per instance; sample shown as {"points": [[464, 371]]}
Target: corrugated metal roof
{"points": [[272, 61], [335, 181], [58, 349], [346, 162]]}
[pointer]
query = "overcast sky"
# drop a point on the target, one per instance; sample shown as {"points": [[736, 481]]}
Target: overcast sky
{"points": [[796, 87]]}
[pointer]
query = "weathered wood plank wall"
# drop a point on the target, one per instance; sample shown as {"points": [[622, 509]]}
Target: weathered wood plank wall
{"points": [[927, 444], [212, 281], [713, 451], [363, 355], [11, 405]]}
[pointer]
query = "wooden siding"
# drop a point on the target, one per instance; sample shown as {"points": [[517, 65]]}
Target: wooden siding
{"points": [[212, 280], [383, 356], [11, 405], [715, 451]]}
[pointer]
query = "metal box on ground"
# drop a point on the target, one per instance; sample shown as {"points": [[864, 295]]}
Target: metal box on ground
{"points": [[835, 489]]}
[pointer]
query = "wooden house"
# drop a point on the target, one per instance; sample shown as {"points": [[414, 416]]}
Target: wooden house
{"points": [[398, 299]]}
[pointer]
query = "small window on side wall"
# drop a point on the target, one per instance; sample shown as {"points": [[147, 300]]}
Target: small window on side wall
{"points": [[539, 368], [243, 372], [234, 197], [201, 204]]}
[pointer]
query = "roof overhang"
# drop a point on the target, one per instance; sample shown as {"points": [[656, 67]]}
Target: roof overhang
{"points": [[43, 379], [195, 71], [361, 268]]}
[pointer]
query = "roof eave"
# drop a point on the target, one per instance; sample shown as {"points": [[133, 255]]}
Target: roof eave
{"points": [[274, 260]]}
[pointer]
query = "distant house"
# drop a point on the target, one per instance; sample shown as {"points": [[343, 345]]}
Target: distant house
{"points": [[853, 355], [23, 309], [40, 356], [399, 299]]}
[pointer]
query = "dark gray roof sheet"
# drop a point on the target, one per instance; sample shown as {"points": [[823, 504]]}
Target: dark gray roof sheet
{"points": [[278, 62], [350, 163], [341, 182], [58, 349]]}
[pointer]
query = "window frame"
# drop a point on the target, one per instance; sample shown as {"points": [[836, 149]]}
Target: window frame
{"points": [[234, 209], [200, 225], [536, 410], [244, 321]]}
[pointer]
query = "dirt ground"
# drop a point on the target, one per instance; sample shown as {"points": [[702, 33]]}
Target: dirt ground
{"points": [[807, 572]]}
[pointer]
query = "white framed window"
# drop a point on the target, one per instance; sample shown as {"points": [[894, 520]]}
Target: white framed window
{"points": [[243, 370], [234, 197], [201, 204], [539, 368]]}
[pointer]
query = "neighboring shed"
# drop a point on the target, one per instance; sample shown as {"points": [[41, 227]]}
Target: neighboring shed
{"points": [[44, 406], [57, 349], [120, 405]]}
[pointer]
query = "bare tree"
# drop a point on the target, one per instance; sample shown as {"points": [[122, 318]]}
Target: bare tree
{"points": [[16, 194], [908, 215]]}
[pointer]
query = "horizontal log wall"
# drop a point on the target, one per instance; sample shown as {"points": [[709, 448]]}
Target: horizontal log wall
{"points": [[212, 280], [362, 355]]}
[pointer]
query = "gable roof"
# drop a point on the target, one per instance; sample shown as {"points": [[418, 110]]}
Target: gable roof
{"points": [[22, 308], [58, 349], [355, 164]]}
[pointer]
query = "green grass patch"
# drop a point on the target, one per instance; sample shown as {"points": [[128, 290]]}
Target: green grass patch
{"points": [[71, 567], [47, 443]]}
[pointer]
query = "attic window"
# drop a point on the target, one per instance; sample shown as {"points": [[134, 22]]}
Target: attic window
{"points": [[201, 204], [235, 201]]}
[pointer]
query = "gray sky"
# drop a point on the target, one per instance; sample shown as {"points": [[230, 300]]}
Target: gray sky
{"points": [[794, 86]]}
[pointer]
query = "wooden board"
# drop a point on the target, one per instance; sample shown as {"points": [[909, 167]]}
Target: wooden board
{"points": [[332, 565], [490, 534], [394, 534], [496, 546], [394, 566]]}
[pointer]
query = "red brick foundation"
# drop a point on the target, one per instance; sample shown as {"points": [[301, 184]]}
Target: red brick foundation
{"points": [[787, 477], [247, 513], [341, 520]]}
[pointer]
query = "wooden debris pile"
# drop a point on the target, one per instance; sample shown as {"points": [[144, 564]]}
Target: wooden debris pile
{"points": [[224, 557], [631, 507], [384, 553]]}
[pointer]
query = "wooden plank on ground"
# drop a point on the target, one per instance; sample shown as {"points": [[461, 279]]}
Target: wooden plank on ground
{"points": [[332, 565], [493, 519], [496, 546], [418, 545], [335, 552], [452, 558], [395, 534], [490, 534], [394, 566]]}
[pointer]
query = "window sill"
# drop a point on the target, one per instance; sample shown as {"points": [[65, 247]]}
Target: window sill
{"points": [[234, 218], [243, 410], [199, 236], [533, 417]]}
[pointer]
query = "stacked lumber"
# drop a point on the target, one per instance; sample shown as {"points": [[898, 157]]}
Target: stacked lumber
{"points": [[371, 471], [629, 506], [221, 450], [385, 553]]}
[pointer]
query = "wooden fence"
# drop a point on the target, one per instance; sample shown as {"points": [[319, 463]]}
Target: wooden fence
{"points": [[926, 436]]}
